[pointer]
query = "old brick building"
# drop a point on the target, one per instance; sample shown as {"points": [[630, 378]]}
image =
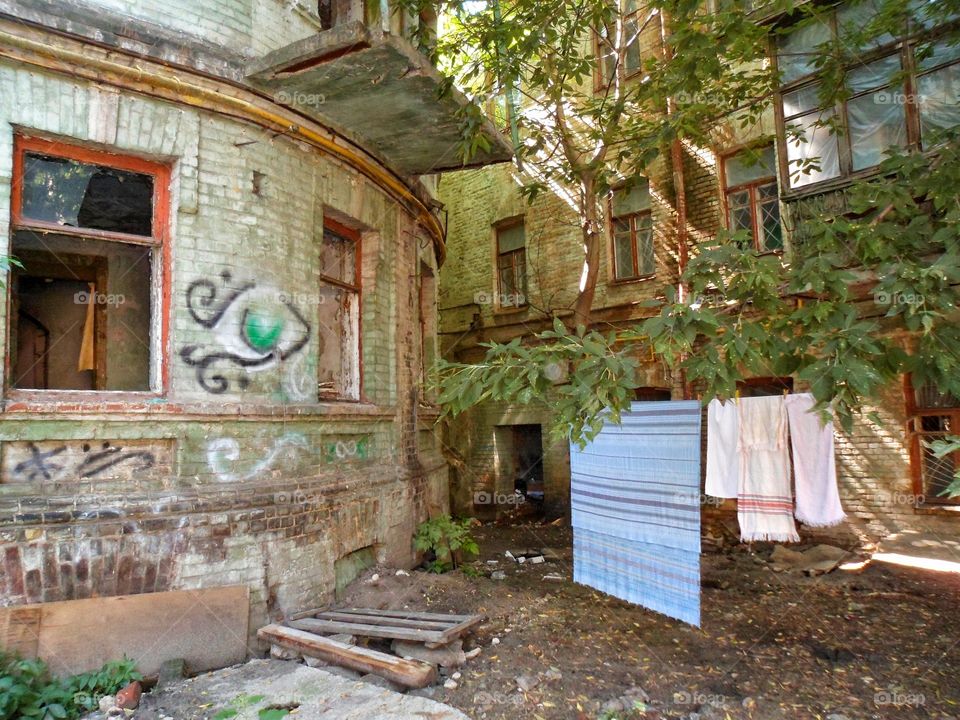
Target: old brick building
{"points": [[214, 348], [889, 482]]}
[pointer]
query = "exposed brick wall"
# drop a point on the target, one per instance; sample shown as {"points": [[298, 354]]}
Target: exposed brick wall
{"points": [[227, 476]]}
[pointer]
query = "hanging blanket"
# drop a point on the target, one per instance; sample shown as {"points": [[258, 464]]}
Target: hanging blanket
{"points": [[723, 458], [764, 500], [814, 466], [635, 503]]}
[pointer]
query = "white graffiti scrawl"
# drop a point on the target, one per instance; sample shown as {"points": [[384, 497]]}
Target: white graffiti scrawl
{"points": [[223, 455]]}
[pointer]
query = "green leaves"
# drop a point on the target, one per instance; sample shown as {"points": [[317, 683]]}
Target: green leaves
{"points": [[447, 539]]}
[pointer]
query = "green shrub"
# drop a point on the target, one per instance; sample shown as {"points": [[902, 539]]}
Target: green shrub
{"points": [[29, 691], [447, 539]]}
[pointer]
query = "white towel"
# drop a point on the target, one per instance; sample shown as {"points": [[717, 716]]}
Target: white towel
{"points": [[764, 500], [814, 467], [723, 458]]}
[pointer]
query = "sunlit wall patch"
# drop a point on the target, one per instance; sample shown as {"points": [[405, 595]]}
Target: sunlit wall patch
{"points": [[252, 328]]}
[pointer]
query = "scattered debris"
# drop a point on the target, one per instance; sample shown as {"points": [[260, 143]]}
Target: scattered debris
{"points": [[535, 557], [553, 577], [129, 697], [498, 575], [172, 671], [450, 655], [527, 682], [451, 684]]}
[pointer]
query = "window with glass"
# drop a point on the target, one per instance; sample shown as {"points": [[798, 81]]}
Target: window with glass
{"points": [[899, 93], [752, 200], [511, 264], [607, 52], [88, 229], [632, 232], [339, 313], [934, 415]]}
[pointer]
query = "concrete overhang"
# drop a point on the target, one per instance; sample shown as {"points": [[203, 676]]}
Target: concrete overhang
{"points": [[378, 88]]}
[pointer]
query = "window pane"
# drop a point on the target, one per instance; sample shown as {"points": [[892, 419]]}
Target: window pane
{"points": [[938, 473], [511, 238], [632, 199], [76, 194], [739, 169], [338, 258], [633, 50], [854, 16], [798, 49], [938, 98], [645, 258], [83, 318], [877, 122], [817, 144], [741, 219], [769, 215], [623, 251], [873, 75], [801, 100]]}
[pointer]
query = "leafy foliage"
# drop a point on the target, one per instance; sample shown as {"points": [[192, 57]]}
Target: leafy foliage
{"points": [[29, 691], [447, 538]]}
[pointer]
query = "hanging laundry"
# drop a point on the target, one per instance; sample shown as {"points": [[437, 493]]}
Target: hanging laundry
{"points": [[764, 500], [814, 464], [723, 458], [635, 508]]}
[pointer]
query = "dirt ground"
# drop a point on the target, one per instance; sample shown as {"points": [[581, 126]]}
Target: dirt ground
{"points": [[882, 642]]}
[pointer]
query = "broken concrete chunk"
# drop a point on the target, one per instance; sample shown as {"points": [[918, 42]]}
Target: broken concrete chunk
{"points": [[171, 671], [527, 682], [315, 662], [450, 655], [278, 652], [451, 684], [553, 577], [815, 561], [498, 575]]}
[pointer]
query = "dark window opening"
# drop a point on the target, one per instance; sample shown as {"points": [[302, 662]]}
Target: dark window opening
{"points": [[764, 386], [652, 394]]}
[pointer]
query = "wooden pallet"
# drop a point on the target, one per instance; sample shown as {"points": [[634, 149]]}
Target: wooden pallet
{"points": [[432, 629]]}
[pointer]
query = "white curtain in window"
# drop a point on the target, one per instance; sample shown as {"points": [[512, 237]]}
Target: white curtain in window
{"points": [[877, 122], [818, 144]]}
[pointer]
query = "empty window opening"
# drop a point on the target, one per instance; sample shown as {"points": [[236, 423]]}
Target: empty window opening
{"points": [[652, 394], [338, 362], [86, 232]]}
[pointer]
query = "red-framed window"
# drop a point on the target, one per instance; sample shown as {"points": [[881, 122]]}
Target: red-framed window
{"points": [[631, 232], [339, 364], [89, 303], [511, 239], [752, 199], [932, 415]]}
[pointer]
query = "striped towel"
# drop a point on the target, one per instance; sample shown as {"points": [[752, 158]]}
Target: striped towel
{"points": [[635, 509], [764, 500]]}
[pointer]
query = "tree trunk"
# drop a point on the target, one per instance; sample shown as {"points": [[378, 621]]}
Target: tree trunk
{"points": [[592, 238]]}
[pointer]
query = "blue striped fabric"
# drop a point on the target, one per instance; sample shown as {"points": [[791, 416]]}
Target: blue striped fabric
{"points": [[635, 504]]}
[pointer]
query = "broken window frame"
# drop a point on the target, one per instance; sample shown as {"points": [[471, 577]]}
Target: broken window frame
{"points": [[157, 241], [917, 436], [516, 263], [355, 289], [756, 201], [903, 49]]}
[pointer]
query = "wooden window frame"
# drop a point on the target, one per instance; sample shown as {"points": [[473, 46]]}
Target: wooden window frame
{"points": [[158, 240], [600, 79], [752, 187], [915, 437], [513, 255], [356, 237], [902, 48], [634, 220]]}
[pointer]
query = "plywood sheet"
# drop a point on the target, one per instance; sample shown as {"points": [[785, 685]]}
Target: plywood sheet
{"points": [[207, 628]]}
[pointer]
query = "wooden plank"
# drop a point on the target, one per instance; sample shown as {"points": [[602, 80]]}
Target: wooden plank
{"points": [[207, 628], [20, 629], [410, 673], [331, 627], [460, 628], [381, 620], [408, 614]]}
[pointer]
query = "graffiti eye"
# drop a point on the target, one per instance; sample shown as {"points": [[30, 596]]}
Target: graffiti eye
{"points": [[251, 327]]}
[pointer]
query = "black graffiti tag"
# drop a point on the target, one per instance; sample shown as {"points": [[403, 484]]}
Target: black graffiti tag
{"points": [[38, 463]]}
